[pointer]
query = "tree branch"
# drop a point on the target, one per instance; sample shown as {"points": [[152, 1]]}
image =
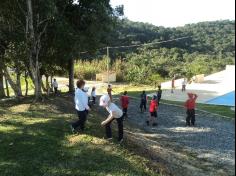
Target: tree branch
{"points": [[21, 9]]}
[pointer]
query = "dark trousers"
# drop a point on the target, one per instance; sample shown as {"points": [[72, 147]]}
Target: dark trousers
{"points": [[143, 105], [190, 117], [82, 119], [183, 88], [158, 100], [125, 112], [55, 90], [120, 129], [94, 100]]}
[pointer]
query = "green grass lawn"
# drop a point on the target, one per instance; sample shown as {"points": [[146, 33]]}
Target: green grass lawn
{"points": [[35, 140], [134, 91]]}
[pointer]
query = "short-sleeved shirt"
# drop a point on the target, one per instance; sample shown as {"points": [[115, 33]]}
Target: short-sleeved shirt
{"points": [[143, 97], [93, 93], [184, 82], [153, 106], [159, 93], [124, 101], [109, 90], [190, 104], [55, 84], [117, 112]]}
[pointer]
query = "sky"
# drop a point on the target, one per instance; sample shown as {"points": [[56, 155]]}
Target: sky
{"points": [[173, 13]]}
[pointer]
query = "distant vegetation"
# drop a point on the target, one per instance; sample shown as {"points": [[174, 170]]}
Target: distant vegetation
{"points": [[209, 49]]}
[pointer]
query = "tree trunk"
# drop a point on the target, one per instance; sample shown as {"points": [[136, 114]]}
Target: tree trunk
{"points": [[44, 87], [34, 49], [51, 79], [7, 87], [47, 85], [2, 92], [18, 84], [38, 81], [26, 84], [71, 75], [13, 85]]}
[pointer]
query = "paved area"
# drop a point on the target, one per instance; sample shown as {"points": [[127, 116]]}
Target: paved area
{"points": [[211, 144], [214, 85]]}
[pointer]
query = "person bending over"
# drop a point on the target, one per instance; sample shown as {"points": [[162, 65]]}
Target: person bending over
{"points": [[115, 113]]}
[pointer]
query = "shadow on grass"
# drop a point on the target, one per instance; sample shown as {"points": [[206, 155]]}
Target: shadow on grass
{"points": [[41, 147]]}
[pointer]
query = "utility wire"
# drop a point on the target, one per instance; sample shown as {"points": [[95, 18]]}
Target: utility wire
{"points": [[138, 45]]}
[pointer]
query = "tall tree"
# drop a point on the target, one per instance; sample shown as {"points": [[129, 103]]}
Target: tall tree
{"points": [[2, 92], [89, 23]]}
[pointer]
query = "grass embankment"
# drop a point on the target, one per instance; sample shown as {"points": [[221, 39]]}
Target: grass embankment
{"points": [[35, 140], [135, 91]]}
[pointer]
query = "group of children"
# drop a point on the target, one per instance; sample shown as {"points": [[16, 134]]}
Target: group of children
{"points": [[115, 113], [153, 108]]}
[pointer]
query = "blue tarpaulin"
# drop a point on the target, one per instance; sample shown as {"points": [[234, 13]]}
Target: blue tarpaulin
{"points": [[226, 100]]}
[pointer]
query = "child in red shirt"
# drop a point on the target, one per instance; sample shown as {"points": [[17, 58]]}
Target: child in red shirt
{"points": [[153, 111], [125, 103], [190, 105]]}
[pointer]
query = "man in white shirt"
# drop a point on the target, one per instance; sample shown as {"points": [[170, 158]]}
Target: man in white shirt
{"points": [[115, 113], [55, 86], [81, 106]]}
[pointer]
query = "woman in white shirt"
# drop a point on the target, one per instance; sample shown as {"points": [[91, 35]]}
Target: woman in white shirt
{"points": [[115, 113], [81, 106]]}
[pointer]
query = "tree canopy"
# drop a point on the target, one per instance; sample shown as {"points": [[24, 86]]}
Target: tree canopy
{"points": [[44, 37]]}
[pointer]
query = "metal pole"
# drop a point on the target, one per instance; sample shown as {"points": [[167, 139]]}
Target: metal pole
{"points": [[108, 65]]}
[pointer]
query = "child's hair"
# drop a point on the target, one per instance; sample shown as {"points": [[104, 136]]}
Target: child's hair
{"points": [[154, 97], [80, 83], [109, 85], [144, 92], [125, 92], [94, 88], [159, 87]]}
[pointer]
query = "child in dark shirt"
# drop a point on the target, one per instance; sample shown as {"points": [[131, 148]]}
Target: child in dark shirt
{"points": [[159, 95], [143, 104]]}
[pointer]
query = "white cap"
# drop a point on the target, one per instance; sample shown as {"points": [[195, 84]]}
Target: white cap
{"points": [[104, 100]]}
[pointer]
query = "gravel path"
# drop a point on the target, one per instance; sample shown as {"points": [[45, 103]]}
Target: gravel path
{"points": [[212, 140]]}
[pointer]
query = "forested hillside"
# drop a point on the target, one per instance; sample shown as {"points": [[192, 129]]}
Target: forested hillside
{"points": [[206, 37], [210, 46]]}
